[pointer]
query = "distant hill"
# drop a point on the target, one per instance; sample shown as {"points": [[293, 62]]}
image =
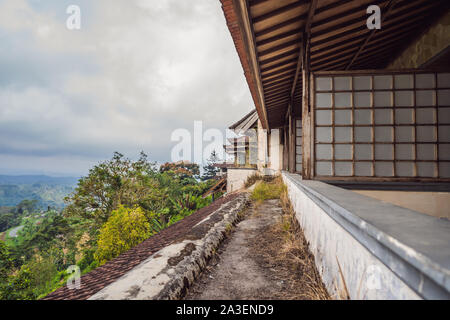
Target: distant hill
{"points": [[31, 179], [49, 191]]}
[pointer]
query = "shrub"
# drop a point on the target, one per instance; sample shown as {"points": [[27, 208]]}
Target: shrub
{"points": [[125, 229], [266, 191]]}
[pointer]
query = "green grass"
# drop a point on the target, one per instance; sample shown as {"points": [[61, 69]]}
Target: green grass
{"points": [[268, 190]]}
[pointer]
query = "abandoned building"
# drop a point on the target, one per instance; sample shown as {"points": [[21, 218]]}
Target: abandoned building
{"points": [[357, 122]]}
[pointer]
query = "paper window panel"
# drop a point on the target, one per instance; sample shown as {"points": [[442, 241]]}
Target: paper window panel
{"points": [[323, 100], [444, 133], [383, 99], [425, 116], [444, 115], [404, 81], [323, 117], [425, 98], [404, 134], [426, 169], [343, 168], [384, 152], [404, 116], [404, 151], [324, 151], [363, 152], [323, 84], [342, 83], [426, 152], [362, 83], [363, 169], [384, 169], [444, 151], [363, 134], [383, 116], [362, 99], [444, 169], [363, 116], [343, 134], [444, 98], [425, 81], [324, 168], [323, 134], [426, 133], [343, 152], [384, 134], [404, 169], [383, 82], [443, 80], [343, 100], [404, 98], [343, 117]]}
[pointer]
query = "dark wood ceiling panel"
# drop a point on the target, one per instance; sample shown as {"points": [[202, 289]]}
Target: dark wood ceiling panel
{"points": [[339, 39], [291, 38], [261, 8]]}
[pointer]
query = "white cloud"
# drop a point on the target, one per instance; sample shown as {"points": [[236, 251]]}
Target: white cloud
{"points": [[136, 71]]}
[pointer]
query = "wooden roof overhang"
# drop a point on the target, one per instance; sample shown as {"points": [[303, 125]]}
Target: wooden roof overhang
{"points": [[273, 37]]}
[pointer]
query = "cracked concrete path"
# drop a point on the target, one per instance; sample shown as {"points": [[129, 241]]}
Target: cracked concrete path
{"points": [[235, 272]]}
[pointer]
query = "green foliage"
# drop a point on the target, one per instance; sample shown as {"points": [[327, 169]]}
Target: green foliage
{"points": [[20, 286], [124, 229], [48, 193], [118, 205], [5, 263], [110, 184], [181, 170], [34, 279], [265, 191]]}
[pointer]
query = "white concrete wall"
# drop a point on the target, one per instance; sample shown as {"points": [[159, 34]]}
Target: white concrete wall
{"points": [[262, 147], [276, 151], [335, 249], [236, 178], [272, 164]]}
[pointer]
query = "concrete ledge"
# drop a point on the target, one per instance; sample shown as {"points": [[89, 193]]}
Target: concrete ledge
{"points": [[168, 272], [351, 234], [236, 177]]}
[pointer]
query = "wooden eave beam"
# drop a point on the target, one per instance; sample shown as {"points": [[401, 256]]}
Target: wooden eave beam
{"points": [[278, 11], [246, 21], [306, 37]]}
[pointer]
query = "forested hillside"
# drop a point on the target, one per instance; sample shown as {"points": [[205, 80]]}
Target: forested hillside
{"points": [[117, 205]]}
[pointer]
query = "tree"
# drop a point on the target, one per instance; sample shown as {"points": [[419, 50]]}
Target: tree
{"points": [[110, 184], [210, 170], [124, 229], [181, 169], [28, 206]]}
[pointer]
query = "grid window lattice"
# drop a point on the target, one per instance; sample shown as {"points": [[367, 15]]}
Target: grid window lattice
{"points": [[382, 125], [298, 145]]}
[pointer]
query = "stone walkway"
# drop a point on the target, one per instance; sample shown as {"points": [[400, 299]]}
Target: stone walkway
{"points": [[235, 273]]}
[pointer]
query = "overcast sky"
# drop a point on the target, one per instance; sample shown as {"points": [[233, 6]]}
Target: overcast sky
{"points": [[136, 71]]}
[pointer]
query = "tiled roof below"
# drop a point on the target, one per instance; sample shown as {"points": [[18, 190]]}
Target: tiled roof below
{"points": [[106, 274]]}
